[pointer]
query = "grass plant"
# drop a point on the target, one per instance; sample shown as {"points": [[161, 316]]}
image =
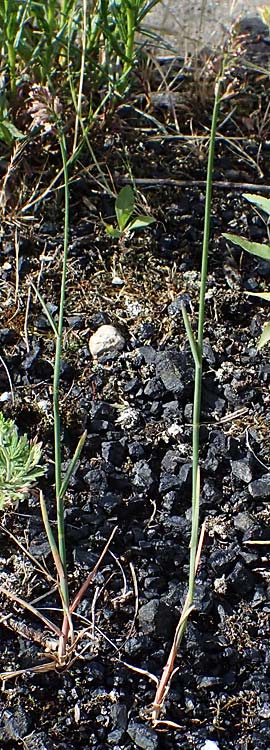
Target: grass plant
{"points": [[196, 345], [63, 44], [46, 114], [260, 251]]}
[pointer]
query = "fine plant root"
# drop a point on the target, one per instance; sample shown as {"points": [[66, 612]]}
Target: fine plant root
{"points": [[59, 660]]}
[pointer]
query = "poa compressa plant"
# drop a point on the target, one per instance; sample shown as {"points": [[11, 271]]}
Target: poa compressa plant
{"points": [[260, 251], [196, 345], [99, 38], [46, 113]]}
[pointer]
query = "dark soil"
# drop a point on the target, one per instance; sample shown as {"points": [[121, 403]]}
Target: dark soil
{"points": [[135, 470]]}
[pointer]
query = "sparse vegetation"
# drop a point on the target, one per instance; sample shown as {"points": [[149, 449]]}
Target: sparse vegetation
{"points": [[19, 464], [80, 117], [258, 250]]}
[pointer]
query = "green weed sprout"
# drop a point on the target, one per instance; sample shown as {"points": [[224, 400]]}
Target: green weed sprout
{"points": [[124, 210], [19, 463], [259, 250]]}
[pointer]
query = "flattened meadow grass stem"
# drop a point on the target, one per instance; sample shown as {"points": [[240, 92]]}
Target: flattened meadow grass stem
{"points": [[57, 366], [199, 352], [61, 483], [46, 112], [196, 345]]}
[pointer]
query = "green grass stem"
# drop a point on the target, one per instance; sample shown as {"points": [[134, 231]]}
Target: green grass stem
{"points": [[196, 346], [57, 368], [129, 47], [82, 73], [197, 350]]}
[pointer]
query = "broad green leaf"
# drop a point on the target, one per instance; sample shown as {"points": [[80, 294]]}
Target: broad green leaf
{"points": [[255, 248], [113, 232], [140, 222], [265, 337], [25, 51], [258, 200], [124, 206], [261, 295]]}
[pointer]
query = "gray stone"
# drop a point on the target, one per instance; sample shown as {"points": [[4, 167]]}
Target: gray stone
{"points": [[264, 711], [119, 715], [168, 482], [114, 737], [113, 451], [176, 307], [37, 741], [96, 480], [241, 580], [171, 461], [147, 616], [170, 369], [221, 560], [243, 521], [260, 487], [185, 475], [105, 340], [142, 476], [154, 388], [241, 470], [14, 724], [143, 736]]}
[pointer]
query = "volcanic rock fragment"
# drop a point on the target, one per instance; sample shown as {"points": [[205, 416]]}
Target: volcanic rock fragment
{"points": [[241, 470], [260, 487], [169, 369], [142, 735]]}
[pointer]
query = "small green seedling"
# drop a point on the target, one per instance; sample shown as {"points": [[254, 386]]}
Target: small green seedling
{"points": [[261, 251], [126, 220], [19, 463]]}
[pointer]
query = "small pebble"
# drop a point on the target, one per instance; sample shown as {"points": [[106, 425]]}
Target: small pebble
{"points": [[106, 339]]}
